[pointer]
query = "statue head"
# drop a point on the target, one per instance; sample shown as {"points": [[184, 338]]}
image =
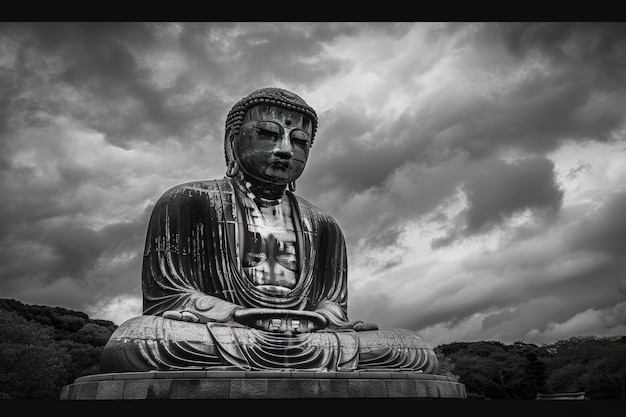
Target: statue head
{"points": [[268, 136]]}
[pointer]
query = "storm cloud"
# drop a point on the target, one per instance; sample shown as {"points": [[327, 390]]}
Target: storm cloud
{"points": [[476, 169]]}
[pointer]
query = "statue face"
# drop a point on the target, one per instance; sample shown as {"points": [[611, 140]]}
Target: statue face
{"points": [[273, 144]]}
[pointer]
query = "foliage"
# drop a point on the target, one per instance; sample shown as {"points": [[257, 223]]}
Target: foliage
{"points": [[31, 364], [45, 348], [591, 364], [489, 369]]}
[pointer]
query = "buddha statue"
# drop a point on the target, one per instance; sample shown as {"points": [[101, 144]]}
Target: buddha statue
{"points": [[242, 273]]}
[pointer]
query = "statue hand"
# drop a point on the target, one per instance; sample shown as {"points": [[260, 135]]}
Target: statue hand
{"points": [[280, 320], [181, 315], [198, 313], [360, 326]]}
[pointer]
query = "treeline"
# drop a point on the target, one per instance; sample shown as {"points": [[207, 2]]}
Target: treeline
{"points": [[44, 348], [595, 366]]}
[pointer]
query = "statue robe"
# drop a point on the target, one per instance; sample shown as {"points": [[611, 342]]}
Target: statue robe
{"points": [[192, 263], [192, 250]]}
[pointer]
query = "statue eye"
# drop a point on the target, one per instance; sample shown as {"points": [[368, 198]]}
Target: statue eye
{"points": [[269, 134], [299, 137]]}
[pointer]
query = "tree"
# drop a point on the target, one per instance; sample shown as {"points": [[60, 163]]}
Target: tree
{"points": [[32, 365], [45, 348], [606, 377], [494, 370]]}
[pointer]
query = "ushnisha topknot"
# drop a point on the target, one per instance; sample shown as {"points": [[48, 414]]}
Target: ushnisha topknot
{"points": [[274, 96]]}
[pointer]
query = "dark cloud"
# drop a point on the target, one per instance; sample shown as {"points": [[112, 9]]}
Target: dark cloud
{"points": [[525, 305], [541, 283], [449, 238], [52, 36], [563, 108], [31, 200], [387, 238], [353, 138], [283, 52], [603, 230], [70, 250], [50, 255], [596, 47], [497, 318], [536, 116], [240, 57], [549, 103], [10, 87], [107, 68], [96, 73], [496, 190], [557, 82], [78, 249]]}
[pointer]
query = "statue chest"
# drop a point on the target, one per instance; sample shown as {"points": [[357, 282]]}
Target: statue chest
{"points": [[268, 247]]}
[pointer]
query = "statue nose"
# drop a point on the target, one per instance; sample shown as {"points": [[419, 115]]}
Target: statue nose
{"points": [[283, 154], [283, 148]]}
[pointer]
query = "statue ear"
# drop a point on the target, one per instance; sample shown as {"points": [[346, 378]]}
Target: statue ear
{"points": [[232, 167], [229, 140]]}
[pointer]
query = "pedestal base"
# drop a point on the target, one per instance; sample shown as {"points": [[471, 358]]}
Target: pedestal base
{"points": [[207, 384]]}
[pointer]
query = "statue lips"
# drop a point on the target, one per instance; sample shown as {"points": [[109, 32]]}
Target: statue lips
{"points": [[284, 164]]}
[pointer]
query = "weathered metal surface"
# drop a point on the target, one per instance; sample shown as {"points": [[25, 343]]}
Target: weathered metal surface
{"points": [[242, 272]]}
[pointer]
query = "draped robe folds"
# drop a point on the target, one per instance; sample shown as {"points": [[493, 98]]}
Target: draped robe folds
{"points": [[192, 263]]}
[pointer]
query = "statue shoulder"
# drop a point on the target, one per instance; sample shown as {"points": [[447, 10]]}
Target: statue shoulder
{"points": [[194, 189], [313, 210]]}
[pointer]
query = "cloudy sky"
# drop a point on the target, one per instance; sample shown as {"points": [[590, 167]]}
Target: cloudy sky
{"points": [[478, 170]]}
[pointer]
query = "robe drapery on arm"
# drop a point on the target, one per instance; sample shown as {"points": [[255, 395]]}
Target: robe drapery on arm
{"points": [[192, 260]]}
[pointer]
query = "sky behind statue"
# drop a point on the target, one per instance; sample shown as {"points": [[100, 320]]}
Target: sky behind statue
{"points": [[476, 169]]}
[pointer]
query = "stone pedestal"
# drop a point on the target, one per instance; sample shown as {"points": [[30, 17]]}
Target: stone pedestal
{"points": [[287, 384]]}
